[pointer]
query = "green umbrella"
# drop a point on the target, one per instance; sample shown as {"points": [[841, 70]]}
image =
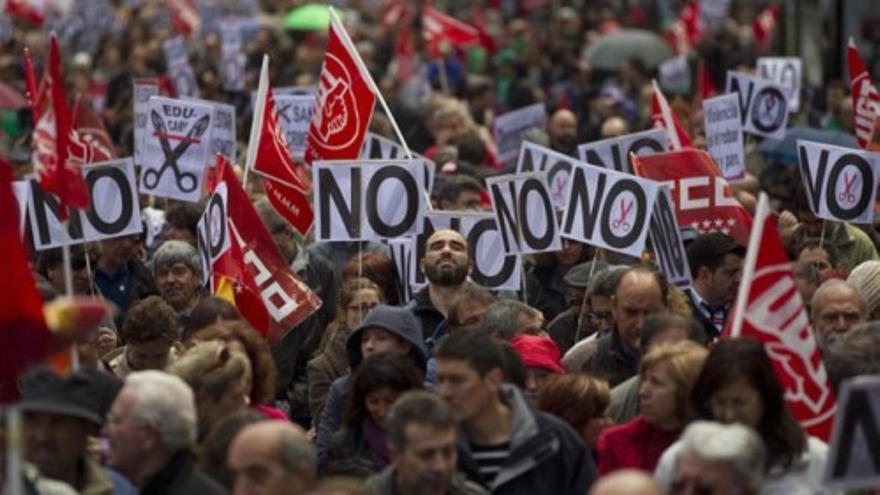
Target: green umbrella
{"points": [[311, 17]]}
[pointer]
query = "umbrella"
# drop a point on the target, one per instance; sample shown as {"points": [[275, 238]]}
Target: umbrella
{"points": [[784, 151], [611, 51], [311, 17], [10, 99]]}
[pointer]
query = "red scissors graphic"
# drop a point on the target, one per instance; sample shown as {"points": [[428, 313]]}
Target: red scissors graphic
{"points": [[848, 183], [622, 222]]}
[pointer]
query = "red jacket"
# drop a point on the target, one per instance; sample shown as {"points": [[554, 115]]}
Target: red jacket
{"points": [[637, 444]]}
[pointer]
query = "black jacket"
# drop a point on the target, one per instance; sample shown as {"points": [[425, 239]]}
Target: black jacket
{"points": [[180, 476], [428, 316], [546, 291], [613, 360], [546, 455], [710, 333]]}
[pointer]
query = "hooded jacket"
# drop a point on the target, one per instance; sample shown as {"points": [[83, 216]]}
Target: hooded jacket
{"points": [[546, 455]]}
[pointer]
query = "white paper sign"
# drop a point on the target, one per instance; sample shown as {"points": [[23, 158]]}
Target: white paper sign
{"points": [[841, 183], [176, 149], [20, 188], [368, 199], [713, 12], [402, 255], [509, 128], [232, 57], [525, 213], [492, 268], [222, 129], [666, 241], [533, 157], [294, 115], [113, 212], [614, 153], [724, 134], [786, 72], [763, 106], [674, 75], [182, 75], [144, 89], [213, 231], [379, 148], [854, 456], [609, 209]]}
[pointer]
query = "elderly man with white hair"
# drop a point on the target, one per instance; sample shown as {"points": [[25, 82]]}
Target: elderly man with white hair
{"points": [[152, 431], [837, 308]]}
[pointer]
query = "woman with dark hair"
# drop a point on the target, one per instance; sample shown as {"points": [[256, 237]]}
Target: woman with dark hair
{"points": [[359, 447], [738, 385], [545, 285], [581, 401], [208, 311], [356, 298], [377, 268]]}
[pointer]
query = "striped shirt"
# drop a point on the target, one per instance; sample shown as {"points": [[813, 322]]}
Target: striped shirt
{"points": [[489, 459]]}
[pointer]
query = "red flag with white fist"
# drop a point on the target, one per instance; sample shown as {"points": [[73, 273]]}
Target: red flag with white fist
{"points": [[769, 309]]}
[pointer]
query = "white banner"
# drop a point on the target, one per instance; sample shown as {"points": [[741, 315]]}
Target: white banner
{"points": [[674, 75], [841, 183], [144, 89], [524, 212], [20, 188], [533, 157], [222, 130], [294, 115], [724, 135], [614, 153], [609, 209], [368, 199], [763, 106], [854, 456], [403, 256], [213, 231], [182, 75], [666, 241], [379, 148], [509, 128], [176, 149], [114, 210], [786, 72]]}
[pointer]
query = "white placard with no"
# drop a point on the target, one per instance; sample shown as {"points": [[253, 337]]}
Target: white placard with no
{"points": [[786, 72], [841, 183], [763, 106], [724, 135], [508, 129]]}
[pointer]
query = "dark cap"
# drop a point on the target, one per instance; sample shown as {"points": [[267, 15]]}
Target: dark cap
{"points": [[86, 394], [579, 275]]}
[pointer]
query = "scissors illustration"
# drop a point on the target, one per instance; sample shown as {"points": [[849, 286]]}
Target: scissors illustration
{"points": [[846, 194], [622, 222], [186, 181]]}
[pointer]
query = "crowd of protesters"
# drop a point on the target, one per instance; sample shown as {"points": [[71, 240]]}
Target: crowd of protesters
{"points": [[608, 380]]}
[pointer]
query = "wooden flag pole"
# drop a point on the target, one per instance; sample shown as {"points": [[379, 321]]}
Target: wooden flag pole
{"points": [[761, 213], [257, 122]]}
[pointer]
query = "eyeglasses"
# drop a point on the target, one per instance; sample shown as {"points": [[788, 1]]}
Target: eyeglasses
{"points": [[362, 308]]}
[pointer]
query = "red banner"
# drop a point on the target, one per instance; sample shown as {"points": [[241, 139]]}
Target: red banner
{"points": [[703, 199], [441, 29], [866, 100], [184, 16]]}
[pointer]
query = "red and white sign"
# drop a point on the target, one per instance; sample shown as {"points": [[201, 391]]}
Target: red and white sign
{"points": [[346, 95], [866, 100], [184, 16], [769, 309], [703, 199], [442, 30]]}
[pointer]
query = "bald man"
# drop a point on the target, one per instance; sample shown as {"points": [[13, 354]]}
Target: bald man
{"points": [[447, 264], [614, 127], [562, 130], [837, 308], [626, 482], [272, 458]]}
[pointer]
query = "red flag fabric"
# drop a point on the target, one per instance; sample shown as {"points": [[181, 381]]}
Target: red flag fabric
{"points": [[440, 29], [405, 50], [292, 204], [267, 293], [663, 117], [184, 16], [24, 337], [345, 99], [31, 11], [703, 199], [764, 27], [684, 34], [769, 309], [55, 160], [866, 100], [92, 133]]}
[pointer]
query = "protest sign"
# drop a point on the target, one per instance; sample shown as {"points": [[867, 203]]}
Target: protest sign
{"points": [[232, 57], [368, 199], [144, 89], [524, 212], [674, 75], [179, 69], [114, 210], [666, 241], [763, 106], [841, 183], [379, 148], [533, 157], [213, 231], [294, 114], [713, 13], [608, 209], [724, 135], [786, 72], [854, 459], [614, 153], [403, 257], [492, 268], [20, 188], [222, 140], [176, 149], [508, 129]]}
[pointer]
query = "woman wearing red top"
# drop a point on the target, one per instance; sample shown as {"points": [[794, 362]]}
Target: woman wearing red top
{"points": [[668, 373]]}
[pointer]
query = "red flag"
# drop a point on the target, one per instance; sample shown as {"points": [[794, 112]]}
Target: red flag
{"points": [[703, 199], [24, 337], [405, 50], [345, 99], [184, 16], [684, 34], [31, 11], [764, 27], [769, 309], [267, 293], [292, 204], [663, 117], [55, 160], [866, 100], [440, 29], [92, 133]]}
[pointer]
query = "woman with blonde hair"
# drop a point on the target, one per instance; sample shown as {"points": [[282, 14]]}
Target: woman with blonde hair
{"points": [[668, 373], [581, 401]]}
